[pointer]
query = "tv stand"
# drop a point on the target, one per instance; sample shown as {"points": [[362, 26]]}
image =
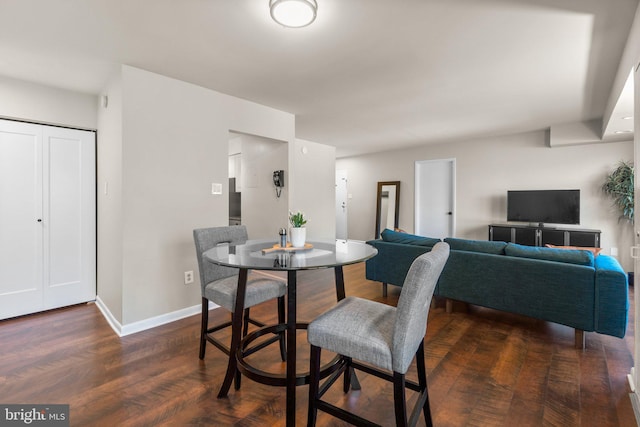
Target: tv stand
{"points": [[539, 235]]}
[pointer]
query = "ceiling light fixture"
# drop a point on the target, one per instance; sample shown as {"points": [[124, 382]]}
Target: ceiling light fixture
{"points": [[293, 13], [623, 131]]}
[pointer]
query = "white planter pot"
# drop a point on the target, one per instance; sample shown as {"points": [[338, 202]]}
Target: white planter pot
{"points": [[298, 236]]}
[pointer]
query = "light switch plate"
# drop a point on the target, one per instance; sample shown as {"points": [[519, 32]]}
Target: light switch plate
{"points": [[216, 188]]}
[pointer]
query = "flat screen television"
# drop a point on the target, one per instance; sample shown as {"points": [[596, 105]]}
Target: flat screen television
{"points": [[544, 206]]}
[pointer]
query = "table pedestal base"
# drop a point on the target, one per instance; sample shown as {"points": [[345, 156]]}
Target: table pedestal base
{"points": [[274, 379]]}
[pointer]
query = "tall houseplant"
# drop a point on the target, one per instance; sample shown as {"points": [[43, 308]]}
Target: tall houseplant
{"points": [[619, 185]]}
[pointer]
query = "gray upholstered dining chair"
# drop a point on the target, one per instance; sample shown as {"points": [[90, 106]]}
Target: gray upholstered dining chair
{"points": [[386, 338], [219, 284]]}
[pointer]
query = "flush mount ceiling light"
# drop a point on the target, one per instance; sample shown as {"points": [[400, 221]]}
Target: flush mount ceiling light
{"points": [[293, 13]]}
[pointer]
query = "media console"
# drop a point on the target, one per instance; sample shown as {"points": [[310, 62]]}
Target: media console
{"points": [[536, 235]]}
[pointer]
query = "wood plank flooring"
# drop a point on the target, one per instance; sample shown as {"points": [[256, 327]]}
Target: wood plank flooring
{"points": [[485, 368]]}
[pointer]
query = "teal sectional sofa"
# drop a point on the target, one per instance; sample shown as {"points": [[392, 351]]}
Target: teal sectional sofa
{"points": [[565, 286]]}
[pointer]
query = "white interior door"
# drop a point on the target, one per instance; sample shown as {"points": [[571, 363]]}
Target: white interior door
{"points": [[434, 198], [47, 217], [69, 224], [341, 205], [21, 257]]}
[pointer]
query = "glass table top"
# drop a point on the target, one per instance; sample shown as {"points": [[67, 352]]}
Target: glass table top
{"points": [[267, 255]]}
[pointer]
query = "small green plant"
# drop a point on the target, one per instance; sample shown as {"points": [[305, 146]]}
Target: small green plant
{"points": [[297, 219], [619, 185]]}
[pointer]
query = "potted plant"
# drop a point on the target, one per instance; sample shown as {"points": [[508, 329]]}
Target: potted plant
{"points": [[619, 185], [298, 233]]}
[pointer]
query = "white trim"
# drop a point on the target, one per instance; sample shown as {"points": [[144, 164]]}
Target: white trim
{"points": [[635, 403], [111, 320], [149, 323]]}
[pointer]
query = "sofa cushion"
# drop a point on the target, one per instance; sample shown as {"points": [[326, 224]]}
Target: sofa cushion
{"points": [[595, 251], [406, 238], [496, 248], [569, 256]]}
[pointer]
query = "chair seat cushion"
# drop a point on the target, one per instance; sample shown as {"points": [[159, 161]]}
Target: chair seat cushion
{"points": [[223, 292], [356, 328]]}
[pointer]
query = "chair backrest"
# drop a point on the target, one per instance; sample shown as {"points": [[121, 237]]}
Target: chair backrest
{"points": [[207, 238], [413, 306]]}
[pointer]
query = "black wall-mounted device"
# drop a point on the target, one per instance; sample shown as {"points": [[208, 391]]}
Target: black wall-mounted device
{"points": [[278, 178], [278, 181]]}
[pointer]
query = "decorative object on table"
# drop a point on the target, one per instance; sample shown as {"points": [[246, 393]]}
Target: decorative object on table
{"points": [[619, 185], [298, 232], [288, 248], [283, 237]]}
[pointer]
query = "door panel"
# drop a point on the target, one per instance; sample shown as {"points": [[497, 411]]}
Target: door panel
{"points": [[435, 202], [47, 217], [341, 205], [21, 269], [70, 229]]}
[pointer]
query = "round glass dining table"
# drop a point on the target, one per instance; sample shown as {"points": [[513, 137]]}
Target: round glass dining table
{"points": [[267, 255]]}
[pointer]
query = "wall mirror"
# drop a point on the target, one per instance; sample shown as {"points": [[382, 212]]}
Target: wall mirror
{"points": [[387, 206]]}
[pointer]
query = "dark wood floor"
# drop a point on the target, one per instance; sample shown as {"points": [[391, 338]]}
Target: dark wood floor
{"points": [[485, 368]]}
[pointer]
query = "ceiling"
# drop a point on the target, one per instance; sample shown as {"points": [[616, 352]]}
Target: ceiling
{"points": [[367, 75]]}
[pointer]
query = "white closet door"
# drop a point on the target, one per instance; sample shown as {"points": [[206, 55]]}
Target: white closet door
{"points": [[47, 218], [69, 212], [21, 262]]}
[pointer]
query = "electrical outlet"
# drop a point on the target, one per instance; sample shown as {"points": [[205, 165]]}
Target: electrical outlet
{"points": [[188, 277]]}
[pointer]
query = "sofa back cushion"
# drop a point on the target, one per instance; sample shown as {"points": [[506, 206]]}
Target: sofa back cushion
{"points": [[569, 256], [483, 246], [406, 238]]}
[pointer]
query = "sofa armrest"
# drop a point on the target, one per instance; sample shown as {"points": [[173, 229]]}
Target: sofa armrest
{"points": [[392, 262], [612, 297]]}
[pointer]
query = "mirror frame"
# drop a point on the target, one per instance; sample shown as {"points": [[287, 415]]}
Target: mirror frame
{"points": [[379, 205]]}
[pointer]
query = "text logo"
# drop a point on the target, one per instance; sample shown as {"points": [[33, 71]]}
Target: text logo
{"points": [[34, 415]]}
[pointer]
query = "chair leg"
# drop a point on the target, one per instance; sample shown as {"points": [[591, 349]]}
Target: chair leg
{"points": [[347, 375], [314, 385], [422, 382], [399, 400], [245, 323], [204, 326], [384, 289], [245, 330], [283, 335], [236, 334]]}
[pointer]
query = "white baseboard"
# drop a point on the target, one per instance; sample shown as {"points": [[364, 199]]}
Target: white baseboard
{"points": [[152, 322], [635, 400], [635, 403], [111, 320]]}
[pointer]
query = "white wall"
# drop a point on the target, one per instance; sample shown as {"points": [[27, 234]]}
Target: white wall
{"points": [[486, 169], [262, 212], [175, 139], [312, 187], [109, 196], [44, 104]]}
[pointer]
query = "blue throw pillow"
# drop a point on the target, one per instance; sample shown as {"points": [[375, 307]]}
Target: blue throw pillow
{"points": [[484, 246], [406, 238], [570, 256]]}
